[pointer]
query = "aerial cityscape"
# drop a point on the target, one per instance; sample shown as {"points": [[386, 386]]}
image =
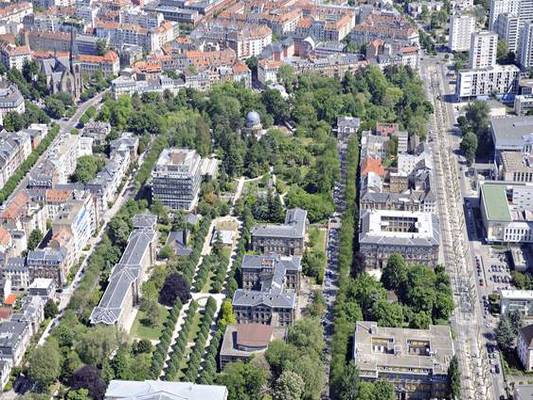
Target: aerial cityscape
{"points": [[266, 199]]}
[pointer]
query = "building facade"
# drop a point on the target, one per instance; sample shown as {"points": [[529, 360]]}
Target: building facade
{"points": [[461, 29]]}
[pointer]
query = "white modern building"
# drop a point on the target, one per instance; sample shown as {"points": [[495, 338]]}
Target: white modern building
{"points": [[499, 80], [155, 390], [483, 48], [525, 51], [507, 212], [517, 300], [461, 29]]}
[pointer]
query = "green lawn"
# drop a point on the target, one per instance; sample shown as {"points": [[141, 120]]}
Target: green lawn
{"points": [[148, 332]]}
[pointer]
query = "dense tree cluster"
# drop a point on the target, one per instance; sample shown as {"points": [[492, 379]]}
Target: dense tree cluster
{"points": [[296, 364], [176, 287], [87, 167], [474, 126]]}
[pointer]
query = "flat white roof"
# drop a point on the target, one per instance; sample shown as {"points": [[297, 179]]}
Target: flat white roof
{"points": [[517, 294], [424, 223]]}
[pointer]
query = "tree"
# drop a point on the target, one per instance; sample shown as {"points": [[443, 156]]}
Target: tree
{"points": [[88, 377], [35, 238], [80, 394], [244, 381], [388, 314], [505, 334], [228, 316], [454, 378], [469, 147], [101, 47], [289, 386], [307, 334], [44, 366], [87, 167], [97, 344], [142, 346], [55, 108], [50, 309], [175, 287], [394, 273], [347, 388]]}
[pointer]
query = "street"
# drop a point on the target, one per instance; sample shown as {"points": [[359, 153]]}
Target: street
{"points": [[471, 332]]}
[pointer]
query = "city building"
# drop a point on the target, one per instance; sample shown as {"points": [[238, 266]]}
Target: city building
{"points": [[499, 80], [42, 287], [512, 133], [522, 391], [516, 167], [48, 263], [97, 130], [523, 104], [15, 148], [385, 26], [153, 390], [123, 290], [461, 29], [483, 49], [176, 178], [255, 269], [525, 46], [11, 100], [414, 361], [524, 347], [286, 239], [243, 341], [517, 300], [347, 126], [108, 64], [413, 234], [14, 340], [13, 56], [507, 212]]}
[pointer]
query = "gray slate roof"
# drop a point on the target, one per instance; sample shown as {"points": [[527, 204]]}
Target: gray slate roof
{"points": [[294, 226], [126, 272]]}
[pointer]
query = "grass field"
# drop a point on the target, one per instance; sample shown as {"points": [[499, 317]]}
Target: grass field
{"points": [[143, 331]]}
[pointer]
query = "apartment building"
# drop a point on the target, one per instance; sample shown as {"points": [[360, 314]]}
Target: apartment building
{"points": [[15, 148], [176, 178], [507, 212], [11, 100], [48, 263], [13, 56], [14, 13], [414, 234], [414, 361], [384, 26], [287, 239], [108, 64], [525, 46], [461, 29], [499, 80], [483, 49], [123, 290], [78, 217]]}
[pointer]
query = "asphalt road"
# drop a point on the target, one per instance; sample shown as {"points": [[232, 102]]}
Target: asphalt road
{"points": [[65, 128], [467, 323]]}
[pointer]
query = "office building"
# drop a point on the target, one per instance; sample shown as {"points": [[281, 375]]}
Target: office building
{"points": [[176, 178], [413, 234], [507, 212], [483, 48], [287, 239], [461, 29], [414, 361], [516, 167], [499, 80], [155, 390], [517, 300]]}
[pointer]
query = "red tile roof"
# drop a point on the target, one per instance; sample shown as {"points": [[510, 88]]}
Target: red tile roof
{"points": [[372, 165]]}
